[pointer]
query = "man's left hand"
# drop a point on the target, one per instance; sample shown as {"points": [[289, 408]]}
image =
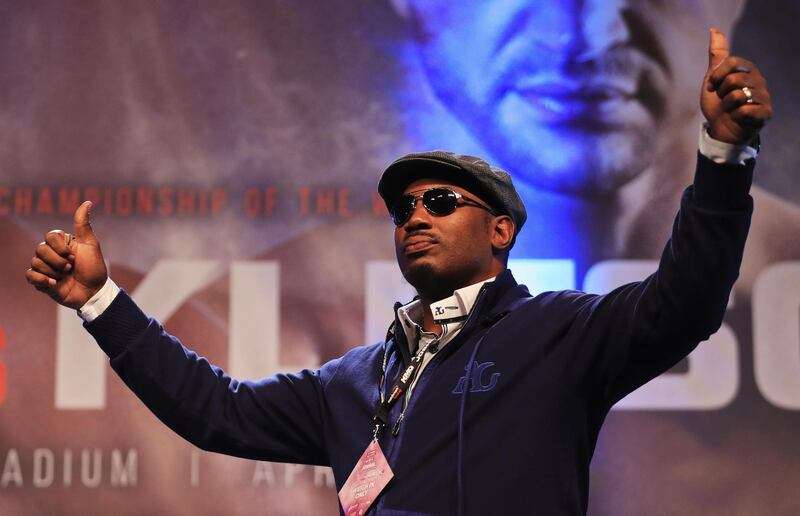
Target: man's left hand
{"points": [[734, 100]]}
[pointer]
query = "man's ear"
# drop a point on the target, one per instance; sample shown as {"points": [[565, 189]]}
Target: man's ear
{"points": [[502, 232]]}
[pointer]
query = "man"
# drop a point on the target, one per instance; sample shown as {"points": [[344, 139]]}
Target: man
{"points": [[427, 398], [589, 105]]}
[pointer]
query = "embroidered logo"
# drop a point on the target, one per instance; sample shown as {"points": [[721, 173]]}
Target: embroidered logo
{"points": [[476, 382], [440, 310]]}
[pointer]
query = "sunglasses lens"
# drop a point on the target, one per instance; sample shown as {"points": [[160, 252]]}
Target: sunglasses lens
{"points": [[440, 201], [402, 209]]}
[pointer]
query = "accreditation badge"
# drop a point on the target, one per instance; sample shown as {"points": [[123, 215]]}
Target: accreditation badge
{"points": [[368, 478]]}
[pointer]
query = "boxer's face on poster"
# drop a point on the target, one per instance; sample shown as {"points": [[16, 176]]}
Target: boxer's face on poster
{"points": [[574, 96]]}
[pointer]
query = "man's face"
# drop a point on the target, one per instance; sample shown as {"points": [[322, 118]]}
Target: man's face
{"points": [[445, 252], [574, 96]]}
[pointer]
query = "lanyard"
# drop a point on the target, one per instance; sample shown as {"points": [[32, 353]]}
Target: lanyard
{"points": [[400, 387], [381, 417]]}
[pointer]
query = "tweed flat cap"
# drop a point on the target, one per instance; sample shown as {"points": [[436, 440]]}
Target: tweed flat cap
{"points": [[491, 184]]}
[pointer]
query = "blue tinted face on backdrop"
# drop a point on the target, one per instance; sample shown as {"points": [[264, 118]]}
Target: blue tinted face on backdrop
{"points": [[571, 96]]}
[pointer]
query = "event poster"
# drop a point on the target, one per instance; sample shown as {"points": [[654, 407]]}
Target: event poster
{"points": [[232, 151]]}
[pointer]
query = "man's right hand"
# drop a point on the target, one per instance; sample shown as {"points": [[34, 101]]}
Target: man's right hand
{"points": [[69, 267]]}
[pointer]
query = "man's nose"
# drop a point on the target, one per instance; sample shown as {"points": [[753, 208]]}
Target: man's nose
{"points": [[420, 217], [601, 26], [578, 30]]}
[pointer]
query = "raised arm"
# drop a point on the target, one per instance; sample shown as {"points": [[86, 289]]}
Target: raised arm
{"points": [[649, 326], [278, 418]]}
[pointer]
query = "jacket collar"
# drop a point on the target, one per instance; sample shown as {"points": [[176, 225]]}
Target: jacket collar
{"points": [[492, 304]]}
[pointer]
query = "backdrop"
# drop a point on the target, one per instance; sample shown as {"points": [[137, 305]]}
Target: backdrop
{"points": [[232, 151]]}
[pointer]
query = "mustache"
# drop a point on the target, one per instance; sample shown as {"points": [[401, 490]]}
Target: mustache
{"points": [[420, 233], [626, 69], [622, 63]]}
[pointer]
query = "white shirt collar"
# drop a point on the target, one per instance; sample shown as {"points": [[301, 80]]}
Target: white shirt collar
{"points": [[457, 306], [454, 308]]}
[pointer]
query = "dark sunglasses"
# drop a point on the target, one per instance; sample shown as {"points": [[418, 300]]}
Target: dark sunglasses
{"points": [[438, 201]]}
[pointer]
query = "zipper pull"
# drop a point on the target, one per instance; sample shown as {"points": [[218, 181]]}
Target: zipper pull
{"points": [[396, 428]]}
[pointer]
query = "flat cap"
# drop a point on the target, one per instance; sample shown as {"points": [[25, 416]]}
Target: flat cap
{"points": [[491, 184]]}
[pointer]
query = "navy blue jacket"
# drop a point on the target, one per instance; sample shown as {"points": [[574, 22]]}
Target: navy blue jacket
{"points": [[546, 371]]}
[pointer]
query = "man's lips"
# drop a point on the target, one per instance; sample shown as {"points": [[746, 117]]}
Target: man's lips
{"points": [[418, 243], [569, 100], [554, 85]]}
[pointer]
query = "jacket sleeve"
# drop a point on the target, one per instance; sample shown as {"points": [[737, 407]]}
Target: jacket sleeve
{"points": [[642, 329], [279, 418]]}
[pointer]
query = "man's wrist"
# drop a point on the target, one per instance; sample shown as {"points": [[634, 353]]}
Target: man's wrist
{"points": [[722, 152], [99, 302]]}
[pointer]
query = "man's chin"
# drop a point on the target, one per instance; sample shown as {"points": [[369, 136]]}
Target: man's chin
{"points": [[578, 162], [429, 280], [419, 272]]}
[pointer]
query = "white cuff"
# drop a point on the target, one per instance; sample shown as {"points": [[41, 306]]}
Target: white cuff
{"points": [[721, 152], [95, 306]]}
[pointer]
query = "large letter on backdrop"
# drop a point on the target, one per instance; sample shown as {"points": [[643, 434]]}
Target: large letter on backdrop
{"points": [[776, 334]]}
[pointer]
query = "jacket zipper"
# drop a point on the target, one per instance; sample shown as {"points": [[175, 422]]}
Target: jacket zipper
{"points": [[406, 400]]}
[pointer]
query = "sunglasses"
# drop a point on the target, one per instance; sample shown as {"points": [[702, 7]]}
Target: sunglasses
{"points": [[438, 201]]}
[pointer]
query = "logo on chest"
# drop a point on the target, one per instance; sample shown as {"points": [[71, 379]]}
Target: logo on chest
{"points": [[480, 380]]}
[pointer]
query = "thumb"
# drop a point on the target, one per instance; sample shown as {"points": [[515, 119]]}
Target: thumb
{"points": [[82, 227], [717, 48]]}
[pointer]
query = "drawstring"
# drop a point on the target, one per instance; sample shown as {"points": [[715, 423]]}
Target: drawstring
{"points": [[459, 471], [460, 463]]}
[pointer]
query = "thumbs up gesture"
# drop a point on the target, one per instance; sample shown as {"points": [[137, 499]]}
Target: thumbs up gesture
{"points": [[734, 99], [69, 267]]}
